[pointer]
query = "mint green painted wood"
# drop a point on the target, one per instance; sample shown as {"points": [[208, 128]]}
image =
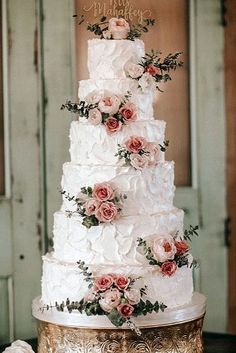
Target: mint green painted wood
{"points": [[206, 200], [60, 84], [25, 161]]}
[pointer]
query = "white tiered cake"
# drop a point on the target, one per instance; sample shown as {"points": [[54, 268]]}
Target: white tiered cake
{"points": [[148, 209]]}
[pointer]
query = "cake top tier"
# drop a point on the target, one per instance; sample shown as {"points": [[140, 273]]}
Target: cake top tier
{"points": [[108, 59]]}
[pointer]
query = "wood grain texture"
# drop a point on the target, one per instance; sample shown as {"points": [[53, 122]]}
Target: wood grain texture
{"points": [[170, 34], [230, 90]]}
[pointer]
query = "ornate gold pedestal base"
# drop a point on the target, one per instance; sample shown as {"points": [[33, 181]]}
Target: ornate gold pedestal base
{"points": [[179, 338]]}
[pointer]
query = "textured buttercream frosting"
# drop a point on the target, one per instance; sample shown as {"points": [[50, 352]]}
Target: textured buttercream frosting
{"points": [[114, 243], [108, 58], [148, 209], [91, 145], [63, 280], [148, 191], [120, 87]]}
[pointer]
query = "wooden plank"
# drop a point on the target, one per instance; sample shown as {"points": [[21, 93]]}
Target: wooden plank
{"points": [[60, 84], [230, 90], [2, 169], [211, 160], [25, 161]]}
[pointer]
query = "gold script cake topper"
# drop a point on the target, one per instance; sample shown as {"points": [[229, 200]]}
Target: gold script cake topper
{"points": [[117, 8]]}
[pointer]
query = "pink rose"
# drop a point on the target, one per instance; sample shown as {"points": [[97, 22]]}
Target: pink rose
{"points": [[107, 34], [110, 300], [133, 296], [109, 105], [122, 282], [107, 212], [90, 296], [154, 153], [139, 162], [119, 28], [112, 125], [135, 144], [163, 248], [95, 116], [93, 97], [168, 268], [152, 70], [182, 247], [129, 112], [103, 283], [103, 192], [134, 70], [91, 206], [125, 310]]}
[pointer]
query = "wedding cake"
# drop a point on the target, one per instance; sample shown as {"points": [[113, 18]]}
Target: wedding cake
{"points": [[120, 247]]}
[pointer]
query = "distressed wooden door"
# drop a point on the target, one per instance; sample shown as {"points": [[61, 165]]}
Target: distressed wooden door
{"points": [[38, 43]]}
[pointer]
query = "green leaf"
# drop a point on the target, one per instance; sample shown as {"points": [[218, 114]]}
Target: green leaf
{"points": [[115, 318]]}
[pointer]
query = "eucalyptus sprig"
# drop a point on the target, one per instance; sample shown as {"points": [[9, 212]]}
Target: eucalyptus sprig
{"points": [[191, 232], [82, 108], [148, 252], [88, 276], [136, 30], [164, 146]]}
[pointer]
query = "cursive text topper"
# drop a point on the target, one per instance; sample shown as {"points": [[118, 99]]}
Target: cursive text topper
{"points": [[117, 8]]}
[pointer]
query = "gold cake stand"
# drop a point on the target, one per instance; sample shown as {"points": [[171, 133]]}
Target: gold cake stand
{"points": [[174, 331]]}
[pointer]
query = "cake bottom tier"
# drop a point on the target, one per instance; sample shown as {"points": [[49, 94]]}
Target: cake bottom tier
{"points": [[64, 280], [171, 331]]}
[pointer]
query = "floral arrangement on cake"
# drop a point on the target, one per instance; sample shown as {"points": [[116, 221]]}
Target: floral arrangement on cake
{"points": [[113, 295], [100, 204], [168, 252], [152, 70], [117, 28], [139, 153], [109, 110]]}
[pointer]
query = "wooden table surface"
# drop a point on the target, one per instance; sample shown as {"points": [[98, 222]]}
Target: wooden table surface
{"points": [[213, 342]]}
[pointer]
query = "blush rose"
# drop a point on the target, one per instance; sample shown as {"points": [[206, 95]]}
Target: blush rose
{"points": [[95, 116], [103, 192], [119, 28], [112, 125], [182, 247], [133, 296], [122, 282], [107, 212], [163, 248], [110, 300], [91, 206], [134, 70], [129, 112], [154, 153], [139, 162], [125, 310], [109, 105], [168, 268], [135, 144], [103, 283]]}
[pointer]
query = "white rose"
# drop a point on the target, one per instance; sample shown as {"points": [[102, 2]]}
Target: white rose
{"points": [[154, 153], [107, 34], [119, 28], [147, 82], [109, 105], [110, 300], [163, 248], [19, 347], [134, 70], [133, 296], [138, 162], [93, 97], [95, 116]]}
